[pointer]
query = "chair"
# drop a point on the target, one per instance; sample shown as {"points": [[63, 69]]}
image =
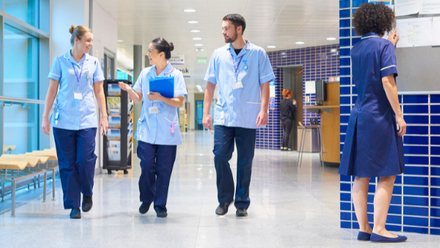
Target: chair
{"points": [[303, 139]]}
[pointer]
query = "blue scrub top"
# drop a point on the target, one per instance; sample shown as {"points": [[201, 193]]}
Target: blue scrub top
{"points": [[75, 114], [156, 128], [239, 107], [372, 147]]}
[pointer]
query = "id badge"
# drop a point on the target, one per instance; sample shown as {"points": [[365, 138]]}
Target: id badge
{"points": [[78, 96], [57, 117], [237, 85], [153, 110]]}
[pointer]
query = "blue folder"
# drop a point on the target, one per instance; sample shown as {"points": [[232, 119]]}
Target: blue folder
{"points": [[163, 85]]}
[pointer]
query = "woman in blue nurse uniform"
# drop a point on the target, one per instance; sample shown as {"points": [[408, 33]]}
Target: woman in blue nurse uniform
{"points": [[75, 78], [373, 144], [158, 127]]}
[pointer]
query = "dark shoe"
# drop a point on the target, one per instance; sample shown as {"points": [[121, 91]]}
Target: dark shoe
{"points": [[75, 213], [383, 239], [161, 213], [222, 209], [87, 203], [241, 212], [143, 209], [363, 236]]}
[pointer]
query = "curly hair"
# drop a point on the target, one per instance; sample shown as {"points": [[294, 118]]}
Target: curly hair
{"points": [[373, 17]]}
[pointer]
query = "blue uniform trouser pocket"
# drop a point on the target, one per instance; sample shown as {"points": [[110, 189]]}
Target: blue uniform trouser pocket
{"points": [[223, 149], [76, 159], [157, 164]]}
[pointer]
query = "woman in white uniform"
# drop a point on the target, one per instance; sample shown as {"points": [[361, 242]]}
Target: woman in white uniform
{"points": [[158, 127], [75, 78]]}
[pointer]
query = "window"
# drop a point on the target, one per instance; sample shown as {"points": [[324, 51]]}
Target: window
{"points": [[24, 10], [21, 64]]}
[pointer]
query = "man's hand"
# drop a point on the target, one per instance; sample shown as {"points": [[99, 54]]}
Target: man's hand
{"points": [[262, 119], [207, 121]]}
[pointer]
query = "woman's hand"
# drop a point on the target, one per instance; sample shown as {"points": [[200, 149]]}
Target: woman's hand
{"points": [[393, 38], [103, 125], [154, 96], [402, 125], [45, 125], [124, 87], [294, 102]]}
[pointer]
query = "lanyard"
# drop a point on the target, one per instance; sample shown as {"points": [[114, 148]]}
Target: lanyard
{"points": [[238, 66], [78, 78]]}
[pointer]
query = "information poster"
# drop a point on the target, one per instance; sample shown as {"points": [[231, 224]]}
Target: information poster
{"points": [[429, 7], [407, 7], [415, 32], [436, 33]]}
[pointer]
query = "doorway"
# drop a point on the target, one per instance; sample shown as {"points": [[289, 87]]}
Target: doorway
{"points": [[109, 65], [293, 80], [199, 115]]}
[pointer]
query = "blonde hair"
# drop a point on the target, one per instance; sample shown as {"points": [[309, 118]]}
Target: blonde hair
{"points": [[78, 32]]}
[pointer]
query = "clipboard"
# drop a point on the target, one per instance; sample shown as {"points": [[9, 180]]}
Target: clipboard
{"points": [[163, 85]]}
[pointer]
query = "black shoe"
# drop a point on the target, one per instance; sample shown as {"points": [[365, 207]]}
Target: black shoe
{"points": [[143, 209], [222, 209], [75, 213], [87, 203], [161, 213], [241, 212]]}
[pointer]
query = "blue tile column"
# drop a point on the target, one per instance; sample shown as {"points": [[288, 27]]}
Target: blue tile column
{"points": [[415, 204]]}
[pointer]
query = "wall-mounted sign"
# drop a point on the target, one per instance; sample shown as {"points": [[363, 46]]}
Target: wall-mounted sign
{"points": [[272, 95], [272, 89], [310, 87], [177, 59], [185, 72]]}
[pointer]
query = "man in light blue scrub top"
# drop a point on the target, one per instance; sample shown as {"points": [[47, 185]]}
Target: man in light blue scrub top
{"points": [[242, 72], [75, 80]]}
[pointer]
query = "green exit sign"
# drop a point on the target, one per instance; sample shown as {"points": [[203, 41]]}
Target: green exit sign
{"points": [[201, 61]]}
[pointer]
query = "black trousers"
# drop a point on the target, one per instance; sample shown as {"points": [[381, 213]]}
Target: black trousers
{"points": [[287, 128], [223, 148]]}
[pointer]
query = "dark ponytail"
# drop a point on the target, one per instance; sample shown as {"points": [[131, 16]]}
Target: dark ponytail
{"points": [[162, 45]]}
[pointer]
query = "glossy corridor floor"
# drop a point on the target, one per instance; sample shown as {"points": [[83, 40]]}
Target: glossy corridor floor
{"points": [[290, 207]]}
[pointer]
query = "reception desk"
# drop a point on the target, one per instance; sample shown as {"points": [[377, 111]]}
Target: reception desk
{"points": [[330, 124]]}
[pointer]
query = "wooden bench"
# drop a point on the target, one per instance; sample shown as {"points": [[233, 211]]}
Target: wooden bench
{"points": [[51, 155], [18, 168]]}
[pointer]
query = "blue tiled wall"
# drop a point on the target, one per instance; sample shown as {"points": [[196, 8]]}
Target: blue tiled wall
{"points": [[415, 204], [319, 63]]}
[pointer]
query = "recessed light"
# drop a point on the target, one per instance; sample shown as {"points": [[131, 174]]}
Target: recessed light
{"points": [[299, 42], [271, 47], [189, 10], [197, 38], [193, 22], [331, 38], [195, 31], [120, 40], [198, 45], [202, 49]]}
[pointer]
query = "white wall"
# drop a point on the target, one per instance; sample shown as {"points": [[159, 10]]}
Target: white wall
{"points": [[64, 13], [105, 32], [105, 35]]}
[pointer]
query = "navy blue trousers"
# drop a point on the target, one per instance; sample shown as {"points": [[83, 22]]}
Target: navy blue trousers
{"points": [[223, 149], [157, 164], [76, 160]]}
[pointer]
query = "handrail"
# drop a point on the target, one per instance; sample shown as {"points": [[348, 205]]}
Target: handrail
{"points": [[20, 100]]}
